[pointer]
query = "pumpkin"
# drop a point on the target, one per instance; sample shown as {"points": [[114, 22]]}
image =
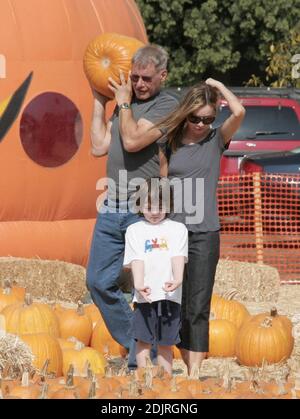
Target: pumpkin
{"points": [[222, 338], [103, 342], [93, 312], [277, 319], [225, 309], [105, 56], [80, 358], [69, 391], [76, 323], [30, 318], [8, 297], [26, 390], [262, 341], [174, 392], [43, 347]]}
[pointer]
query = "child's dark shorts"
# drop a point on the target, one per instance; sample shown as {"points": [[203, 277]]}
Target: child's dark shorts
{"points": [[158, 322]]}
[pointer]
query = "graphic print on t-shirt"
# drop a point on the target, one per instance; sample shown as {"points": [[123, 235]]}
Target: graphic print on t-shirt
{"points": [[155, 244]]}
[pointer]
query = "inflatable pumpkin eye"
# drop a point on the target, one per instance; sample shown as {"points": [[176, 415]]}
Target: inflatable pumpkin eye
{"points": [[51, 129]]}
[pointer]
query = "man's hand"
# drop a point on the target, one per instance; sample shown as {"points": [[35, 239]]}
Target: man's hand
{"points": [[171, 285], [145, 292], [123, 91]]}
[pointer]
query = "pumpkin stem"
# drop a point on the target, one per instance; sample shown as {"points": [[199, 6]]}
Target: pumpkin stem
{"points": [[160, 372], [92, 390], [44, 391], [89, 371], [28, 299], [25, 379], [44, 369], [133, 388], [70, 373], [80, 308], [79, 345], [7, 287], [230, 294], [174, 386], [273, 312]]}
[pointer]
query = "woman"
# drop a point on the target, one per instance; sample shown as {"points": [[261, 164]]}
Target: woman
{"points": [[190, 154]]}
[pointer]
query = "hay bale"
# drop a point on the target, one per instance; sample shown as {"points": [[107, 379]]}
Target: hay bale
{"points": [[252, 282], [51, 280]]}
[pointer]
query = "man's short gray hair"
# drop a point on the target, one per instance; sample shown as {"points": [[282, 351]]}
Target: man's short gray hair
{"points": [[151, 53]]}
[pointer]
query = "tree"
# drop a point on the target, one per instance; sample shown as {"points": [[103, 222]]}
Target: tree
{"points": [[225, 39], [284, 59]]}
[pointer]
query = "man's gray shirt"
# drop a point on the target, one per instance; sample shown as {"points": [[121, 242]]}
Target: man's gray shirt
{"points": [[141, 164]]}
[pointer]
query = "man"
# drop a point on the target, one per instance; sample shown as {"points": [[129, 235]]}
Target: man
{"points": [[129, 141]]}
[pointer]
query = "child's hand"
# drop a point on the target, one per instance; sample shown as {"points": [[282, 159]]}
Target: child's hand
{"points": [[171, 286], [145, 292]]}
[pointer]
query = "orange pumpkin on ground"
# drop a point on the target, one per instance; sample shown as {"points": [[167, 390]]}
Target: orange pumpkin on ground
{"points": [[104, 343], [29, 317], [8, 297], [234, 311], [43, 347], [16, 290], [76, 323], [266, 340], [105, 56], [26, 389], [80, 358], [93, 312], [222, 338]]}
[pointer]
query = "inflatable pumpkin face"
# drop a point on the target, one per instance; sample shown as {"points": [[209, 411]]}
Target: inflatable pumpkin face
{"points": [[48, 175]]}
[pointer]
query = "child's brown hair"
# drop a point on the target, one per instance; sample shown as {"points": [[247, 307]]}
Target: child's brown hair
{"points": [[155, 191]]}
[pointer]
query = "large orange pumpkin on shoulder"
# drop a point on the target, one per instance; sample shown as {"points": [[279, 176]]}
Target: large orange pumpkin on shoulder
{"points": [[105, 56]]}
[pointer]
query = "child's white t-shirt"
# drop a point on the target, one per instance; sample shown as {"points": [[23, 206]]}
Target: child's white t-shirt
{"points": [[155, 245]]}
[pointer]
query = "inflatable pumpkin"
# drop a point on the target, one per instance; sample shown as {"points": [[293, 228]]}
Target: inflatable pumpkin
{"points": [[48, 175], [106, 56]]}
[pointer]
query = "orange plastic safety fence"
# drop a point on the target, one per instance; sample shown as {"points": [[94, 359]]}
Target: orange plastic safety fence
{"points": [[260, 221]]}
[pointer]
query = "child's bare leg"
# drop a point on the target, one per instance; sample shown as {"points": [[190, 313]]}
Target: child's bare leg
{"points": [[184, 355], [165, 357], [195, 360], [142, 353]]}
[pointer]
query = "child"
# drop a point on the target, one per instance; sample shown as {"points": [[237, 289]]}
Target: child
{"points": [[156, 249]]}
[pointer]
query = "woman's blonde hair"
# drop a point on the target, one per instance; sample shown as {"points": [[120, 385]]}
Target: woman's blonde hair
{"points": [[198, 96]]}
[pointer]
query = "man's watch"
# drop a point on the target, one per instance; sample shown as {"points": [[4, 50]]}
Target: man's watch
{"points": [[124, 106]]}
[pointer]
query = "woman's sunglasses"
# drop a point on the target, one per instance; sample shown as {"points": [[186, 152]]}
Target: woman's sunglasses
{"points": [[135, 78], [206, 120]]}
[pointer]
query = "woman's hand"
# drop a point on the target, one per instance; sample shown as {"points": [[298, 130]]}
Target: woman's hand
{"points": [[123, 91], [213, 83]]}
